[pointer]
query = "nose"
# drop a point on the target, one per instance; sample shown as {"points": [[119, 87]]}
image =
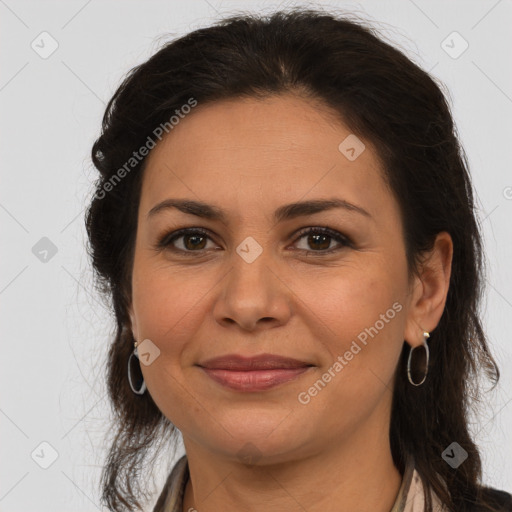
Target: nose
{"points": [[253, 295]]}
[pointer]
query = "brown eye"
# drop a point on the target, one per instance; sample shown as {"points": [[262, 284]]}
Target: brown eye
{"points": [[320, 240], [192, 242], [185, 240]]}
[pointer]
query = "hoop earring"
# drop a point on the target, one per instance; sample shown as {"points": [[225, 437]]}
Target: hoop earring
{"points": [[426, 335], [142, 388]]}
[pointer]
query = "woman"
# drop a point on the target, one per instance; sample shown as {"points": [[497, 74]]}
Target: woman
{"points": [[285, 224]]}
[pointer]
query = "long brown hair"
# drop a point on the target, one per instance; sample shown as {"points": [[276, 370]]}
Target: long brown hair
{"points": [[382, 96]]}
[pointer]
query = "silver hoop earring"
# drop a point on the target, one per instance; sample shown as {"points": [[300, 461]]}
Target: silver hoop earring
{"points": [[426, 335], [142, 387]]}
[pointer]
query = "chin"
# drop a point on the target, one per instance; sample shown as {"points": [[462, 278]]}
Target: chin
{"points": [[255, 446]]}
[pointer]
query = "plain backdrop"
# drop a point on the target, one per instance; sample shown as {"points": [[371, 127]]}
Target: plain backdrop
{"points": [[55, 329]]}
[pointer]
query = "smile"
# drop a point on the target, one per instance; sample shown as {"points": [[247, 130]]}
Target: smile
{"points": [[254, 380]]}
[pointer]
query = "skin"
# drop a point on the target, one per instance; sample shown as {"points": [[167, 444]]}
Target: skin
{"points": [[250, 157]]}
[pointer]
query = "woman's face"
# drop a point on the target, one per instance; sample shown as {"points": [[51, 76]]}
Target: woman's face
{"points": [[256, 283]]}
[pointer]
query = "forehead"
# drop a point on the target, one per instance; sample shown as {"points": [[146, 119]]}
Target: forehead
{"points": [[273, 149]]}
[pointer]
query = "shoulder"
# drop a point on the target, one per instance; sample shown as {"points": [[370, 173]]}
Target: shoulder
{"points": [[488, 499], [500, 500]]}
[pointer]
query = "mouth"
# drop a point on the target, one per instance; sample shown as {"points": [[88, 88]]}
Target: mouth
{"points": [[257, 373]]}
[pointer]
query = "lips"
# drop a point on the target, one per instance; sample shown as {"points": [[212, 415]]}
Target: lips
{"points": [[260, 362], [253, 374]]}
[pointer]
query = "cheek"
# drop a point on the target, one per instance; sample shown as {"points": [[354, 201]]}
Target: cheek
{"points": [[170, 309], [358, 319], [166, 301], [348, 302]]}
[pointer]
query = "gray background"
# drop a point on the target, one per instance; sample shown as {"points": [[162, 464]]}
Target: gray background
{"points": [[55, 330]]}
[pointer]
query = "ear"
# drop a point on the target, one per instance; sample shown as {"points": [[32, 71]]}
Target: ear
{"points": [[430, 290]]}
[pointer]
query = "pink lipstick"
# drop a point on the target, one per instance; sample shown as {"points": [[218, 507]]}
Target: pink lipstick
{"points": [[252, 374]]}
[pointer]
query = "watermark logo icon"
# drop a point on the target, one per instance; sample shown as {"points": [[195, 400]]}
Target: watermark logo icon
{"points": [[351, 147], [454, 45], [249, 454], [454, 455], [44, 250], [44, 455], [249, 249], [147, 352], [44, 45]]}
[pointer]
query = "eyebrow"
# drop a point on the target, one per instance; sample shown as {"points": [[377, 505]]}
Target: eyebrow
{"points": [[286, 212]]}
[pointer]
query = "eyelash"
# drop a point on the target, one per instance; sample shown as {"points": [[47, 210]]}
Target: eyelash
{"points": [[166, 241]]}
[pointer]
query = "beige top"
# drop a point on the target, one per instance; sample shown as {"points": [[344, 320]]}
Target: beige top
{"points": [[409, 498]]}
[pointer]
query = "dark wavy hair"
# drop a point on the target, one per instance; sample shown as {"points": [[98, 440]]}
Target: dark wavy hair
{"points": [[384, 98]]}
